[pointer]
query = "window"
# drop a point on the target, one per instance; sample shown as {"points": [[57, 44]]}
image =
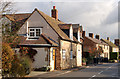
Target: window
{"points": [[71, 56], [63, 53], [34, 32]]}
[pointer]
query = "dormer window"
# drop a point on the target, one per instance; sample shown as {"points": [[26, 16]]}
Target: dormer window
{"points": [[35, 32]]}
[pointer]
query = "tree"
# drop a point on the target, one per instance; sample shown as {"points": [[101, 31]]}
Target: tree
{"points": [[7, 58]]}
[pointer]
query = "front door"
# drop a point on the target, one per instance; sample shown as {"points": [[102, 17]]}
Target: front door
{"points": [[54, 58]]}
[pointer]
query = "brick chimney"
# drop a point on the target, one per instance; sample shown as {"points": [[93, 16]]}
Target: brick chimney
{"points": [[71, 32], [54, 13], [91, 35], [83, 34], [117, 42], [97, 37], [108, 38]]}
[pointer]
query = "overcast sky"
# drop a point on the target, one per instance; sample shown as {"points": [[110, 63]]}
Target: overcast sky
{"points": [[97, 16]]}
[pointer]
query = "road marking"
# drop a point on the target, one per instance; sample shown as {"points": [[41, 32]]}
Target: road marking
{"points": [[93, 75], [60, 74], [100, 72]]}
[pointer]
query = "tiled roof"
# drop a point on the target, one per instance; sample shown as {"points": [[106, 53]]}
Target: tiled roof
{"points": [[96, 40], [109, 43], [54, 24], [17, 17], [67, 26], [17, 20], [43, 39]]}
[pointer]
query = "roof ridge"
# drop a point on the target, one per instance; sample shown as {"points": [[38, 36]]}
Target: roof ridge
{"points": [[54, 24]]}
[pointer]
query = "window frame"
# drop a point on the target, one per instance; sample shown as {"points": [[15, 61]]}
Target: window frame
{"points": [[35, 36], [63, 53]]}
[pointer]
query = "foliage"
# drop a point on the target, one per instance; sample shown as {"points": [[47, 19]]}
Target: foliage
{"points": [[94, 52], [84, 60], [7, 58], [45, 68], [14, 65], [21, 67], [25, 51]]}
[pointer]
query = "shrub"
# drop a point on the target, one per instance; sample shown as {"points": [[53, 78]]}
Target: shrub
{"points": [[14, 65], [84, 60], [7, 58]]}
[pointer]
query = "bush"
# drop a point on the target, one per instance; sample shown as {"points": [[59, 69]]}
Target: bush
{"points": [[26, 62], [84, 60], [45, 68], [7, 58], [14, 65]]}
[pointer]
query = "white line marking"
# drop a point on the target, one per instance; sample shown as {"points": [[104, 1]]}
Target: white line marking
{"points": [[100, 72], [93, 75], [109, 67], [61, 74]]}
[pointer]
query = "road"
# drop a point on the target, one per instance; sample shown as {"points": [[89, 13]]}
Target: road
{"points": [[102, 70]]}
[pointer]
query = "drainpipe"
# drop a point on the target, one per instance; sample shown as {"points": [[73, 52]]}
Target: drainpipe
{"points": [[27, 28]]}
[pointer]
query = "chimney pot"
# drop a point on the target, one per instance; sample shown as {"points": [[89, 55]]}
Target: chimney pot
{"points": [[83, 34], [108, 38], [97, 37], [91, 35], [54, 13], [54, 7]]}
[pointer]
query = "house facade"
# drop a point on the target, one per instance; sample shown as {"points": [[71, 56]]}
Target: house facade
{"points": [[91, 44], [113, 48], [52, 45]]}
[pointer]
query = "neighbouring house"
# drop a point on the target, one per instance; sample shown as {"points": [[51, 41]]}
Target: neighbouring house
{"points": [[94, 45], [114, 50], [54, 47], [117, 43]]}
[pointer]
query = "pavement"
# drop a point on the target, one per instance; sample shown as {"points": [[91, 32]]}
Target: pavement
{"points": [[56, 72]]}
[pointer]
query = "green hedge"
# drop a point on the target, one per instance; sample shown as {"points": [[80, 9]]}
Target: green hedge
{"points": [[114, 55]]}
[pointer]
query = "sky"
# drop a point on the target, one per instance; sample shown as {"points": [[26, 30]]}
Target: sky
{"points": [[96, 16]]}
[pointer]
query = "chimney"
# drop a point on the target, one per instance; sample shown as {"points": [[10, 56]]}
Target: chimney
{"points": [[117, 42], [108, 38], [91, 35], [97, 37], [83, 34], [54, 13], [71, 32]]}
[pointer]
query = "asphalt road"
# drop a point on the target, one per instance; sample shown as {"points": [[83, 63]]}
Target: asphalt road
{"points": [[102, 70], [109, 70]]}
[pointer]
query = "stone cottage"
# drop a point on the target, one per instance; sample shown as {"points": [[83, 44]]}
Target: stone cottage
{"points": [[55, 47]]}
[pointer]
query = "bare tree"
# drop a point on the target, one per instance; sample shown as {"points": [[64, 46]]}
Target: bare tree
{"points": [[6, 7]]}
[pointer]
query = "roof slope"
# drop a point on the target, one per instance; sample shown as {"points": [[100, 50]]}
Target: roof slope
{"points": [[96, 41], [17, 17], [17, 20], [43, 39], [109, 43], [54, 24]]}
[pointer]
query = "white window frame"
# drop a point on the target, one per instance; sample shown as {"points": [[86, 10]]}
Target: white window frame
{"points": [[63, 53], [35, 32]]}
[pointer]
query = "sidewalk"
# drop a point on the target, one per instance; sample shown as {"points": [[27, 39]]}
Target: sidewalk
{"points": [[58, 72], [53, 73]]}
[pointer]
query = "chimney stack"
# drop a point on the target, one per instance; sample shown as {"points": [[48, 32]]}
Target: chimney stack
{"points": [[54, 13], [97, 37], [91, 35], [108, 38], [117, 42], [83, 34]]}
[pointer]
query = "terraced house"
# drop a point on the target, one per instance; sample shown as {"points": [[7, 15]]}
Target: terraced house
{"points": [[114, 50], [91, 45], [56, 44]]}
